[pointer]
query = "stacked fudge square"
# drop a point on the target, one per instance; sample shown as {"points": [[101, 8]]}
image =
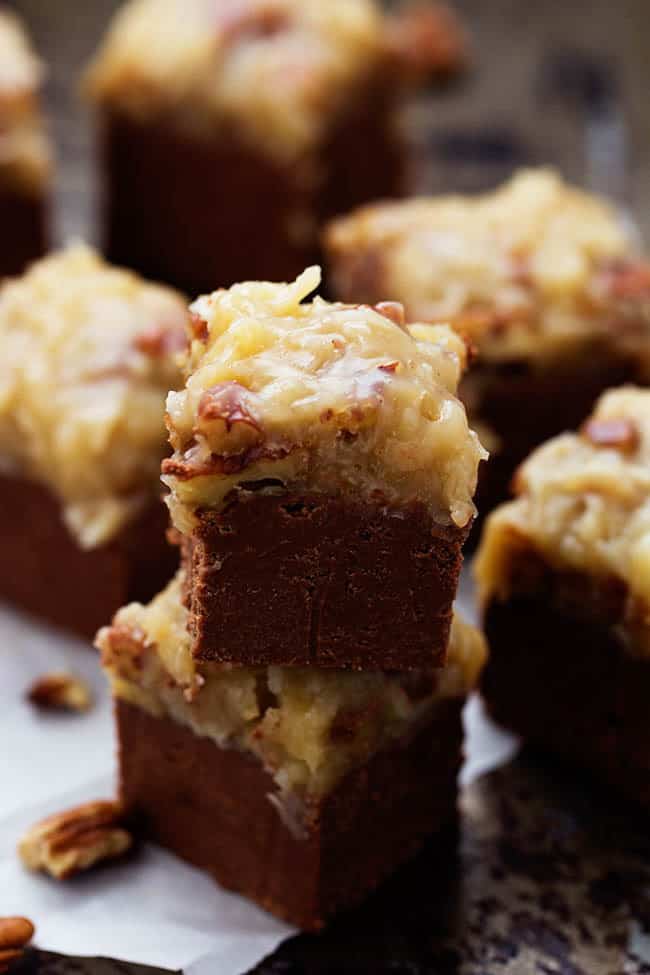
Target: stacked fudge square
{"points": [[289, 707]]}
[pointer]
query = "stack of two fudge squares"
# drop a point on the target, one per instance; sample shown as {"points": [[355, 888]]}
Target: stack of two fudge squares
{"points": [[289, 707]]}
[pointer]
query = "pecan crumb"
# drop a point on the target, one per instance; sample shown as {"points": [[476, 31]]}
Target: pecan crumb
{"points": [[159, 341], [229, 402], [389, 367], [60, 692], [619, 432], [198, 327], [393, 310], [75, 840]]}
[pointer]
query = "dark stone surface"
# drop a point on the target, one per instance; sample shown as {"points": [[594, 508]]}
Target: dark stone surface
{"points": [[551, 878]]}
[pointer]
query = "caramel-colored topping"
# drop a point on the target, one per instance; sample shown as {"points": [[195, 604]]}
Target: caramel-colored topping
{"points": [[24, 149], [318, 396], [583, 504], [534, 270], [276, 71], [82, 387], [307, 725]]}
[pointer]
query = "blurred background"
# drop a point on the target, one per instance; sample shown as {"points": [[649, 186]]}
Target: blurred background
{"points": [[554, 82]]}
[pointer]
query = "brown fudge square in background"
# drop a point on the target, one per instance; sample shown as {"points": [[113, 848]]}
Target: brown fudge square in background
{"points": [[314, 581], [25, 165], [229, 139], [543, 281], [89, 354], [565, 579], [321, 482], [44, 571], [301, 788]]}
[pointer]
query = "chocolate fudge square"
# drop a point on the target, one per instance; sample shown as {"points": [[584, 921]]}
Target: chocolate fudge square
{"points": [[89, 353], [230, 132], [542, 279], [564, 576], [321, 482]]}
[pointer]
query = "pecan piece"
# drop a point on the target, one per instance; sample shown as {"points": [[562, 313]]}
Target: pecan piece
{"points": [[229, 409], [626, 279], [75, 840], [160, 341], [251, 18], [198, 327], [15, 935], [618, 433], [15, 932], [60, 692], [426, 40], [393, 310]]}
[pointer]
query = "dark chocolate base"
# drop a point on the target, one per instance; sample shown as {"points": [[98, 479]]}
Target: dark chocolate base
{"points": [[45, 572], [202, 214], [310, 580], [211, 807], [525, 408], [559, 675], [24, 232]]}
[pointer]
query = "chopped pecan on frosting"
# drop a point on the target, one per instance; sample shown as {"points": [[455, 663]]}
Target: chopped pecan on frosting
{"points": [[619, 432], [308, 726], [534, 270], [425, 39], [584, 506], [25, 159], [89, 354], [326, 397]]}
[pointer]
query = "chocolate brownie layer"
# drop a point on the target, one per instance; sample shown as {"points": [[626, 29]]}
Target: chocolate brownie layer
{"points": [[47, 573], [24, 231], [203, 213], [526, 405], [286, 579], [211, 806], [559, 675]]}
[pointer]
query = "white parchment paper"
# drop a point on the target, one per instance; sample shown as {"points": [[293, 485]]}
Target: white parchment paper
{"points": [[155, 909]]}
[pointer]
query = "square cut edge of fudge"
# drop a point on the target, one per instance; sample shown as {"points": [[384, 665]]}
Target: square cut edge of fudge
{"points": [[321, 482], [89, 356], [564, 578], [26, 164], [546, 282], [301, 789]]}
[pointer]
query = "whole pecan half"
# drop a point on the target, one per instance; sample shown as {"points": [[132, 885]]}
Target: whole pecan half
{"points": [[15, 934], [60, 692], [75, 840]]}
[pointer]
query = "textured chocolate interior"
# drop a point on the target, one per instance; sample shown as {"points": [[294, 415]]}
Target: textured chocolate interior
{"points": [[45, 572], [211, 806], [312, 580], [559, 675], [23, 223]]}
